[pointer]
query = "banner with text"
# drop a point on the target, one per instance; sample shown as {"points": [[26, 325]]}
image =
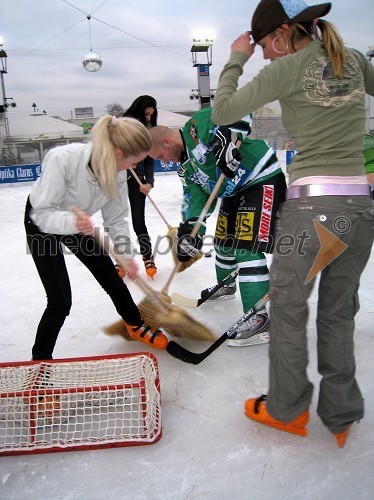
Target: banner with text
{"points": [[20, 173]]}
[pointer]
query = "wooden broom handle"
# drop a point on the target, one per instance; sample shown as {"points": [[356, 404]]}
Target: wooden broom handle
{"points": [[107, 244], [150, 199], [196, 227], [200, 220]]}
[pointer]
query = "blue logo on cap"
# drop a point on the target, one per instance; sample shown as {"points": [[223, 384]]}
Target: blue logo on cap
{"points": [[293, 7]]}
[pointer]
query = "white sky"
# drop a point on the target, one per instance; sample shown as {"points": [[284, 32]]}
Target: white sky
{"points": [[46, 41]]}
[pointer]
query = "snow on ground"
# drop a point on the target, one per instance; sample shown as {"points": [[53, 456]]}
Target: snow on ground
{"points": [[209, 449]]}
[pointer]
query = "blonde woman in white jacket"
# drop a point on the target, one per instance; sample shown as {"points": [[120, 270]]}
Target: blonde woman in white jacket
{"points": [[91, 176]]}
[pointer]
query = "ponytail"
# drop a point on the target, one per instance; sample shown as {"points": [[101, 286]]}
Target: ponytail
{"points": [[333, 44], [109, 133], [324, 32]]}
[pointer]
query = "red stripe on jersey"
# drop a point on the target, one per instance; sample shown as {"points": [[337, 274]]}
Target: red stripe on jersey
{"points": [[266, 209]]}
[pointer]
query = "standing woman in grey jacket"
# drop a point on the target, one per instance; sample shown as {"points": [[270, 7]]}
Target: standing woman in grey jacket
{"points": [[321, 86], [93, 177]]}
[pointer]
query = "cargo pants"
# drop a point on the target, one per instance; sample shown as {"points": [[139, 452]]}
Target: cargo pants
{"points": [[349, 220]]}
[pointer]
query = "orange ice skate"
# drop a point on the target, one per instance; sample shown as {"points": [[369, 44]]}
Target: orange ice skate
{"points": [[255, 409], [150, 267], [121, 272], [342, 436], [147, 335]]}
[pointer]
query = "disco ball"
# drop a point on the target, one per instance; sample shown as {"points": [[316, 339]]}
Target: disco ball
{"points": [[92, 62]]}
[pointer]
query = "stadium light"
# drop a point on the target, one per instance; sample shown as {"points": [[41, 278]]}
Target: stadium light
{"points": [[202, 44], [6, 152], [370, 52]]}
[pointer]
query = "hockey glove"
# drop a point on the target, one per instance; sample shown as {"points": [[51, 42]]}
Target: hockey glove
{"points": [[242, 126], [187, 247], [225, 151]]}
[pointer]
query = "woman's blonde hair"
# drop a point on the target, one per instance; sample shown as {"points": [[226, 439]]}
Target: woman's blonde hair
{"points": [[334, 46], [109, 133], [325, 32]]}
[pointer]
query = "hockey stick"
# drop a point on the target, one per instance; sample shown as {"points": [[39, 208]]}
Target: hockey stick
{"points": [[181, 300], [195, 358]]}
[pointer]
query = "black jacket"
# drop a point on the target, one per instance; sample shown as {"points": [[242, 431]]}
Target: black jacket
{"points": [[145, 171]]}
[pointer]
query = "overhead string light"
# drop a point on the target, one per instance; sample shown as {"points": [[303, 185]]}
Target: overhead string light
{"points": [[92, 61]]}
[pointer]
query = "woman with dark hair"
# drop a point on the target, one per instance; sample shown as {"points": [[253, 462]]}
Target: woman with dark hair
{"points": [[144, 109], [321, 86]]}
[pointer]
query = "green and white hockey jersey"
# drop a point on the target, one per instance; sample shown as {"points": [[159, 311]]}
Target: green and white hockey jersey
{"points": [[199, 173]]}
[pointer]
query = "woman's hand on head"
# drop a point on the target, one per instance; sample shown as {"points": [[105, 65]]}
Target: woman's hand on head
{"points": [[243, 44]]}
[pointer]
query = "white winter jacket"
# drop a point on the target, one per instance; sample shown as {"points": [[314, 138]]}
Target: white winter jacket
{"points": [[67, 181]]}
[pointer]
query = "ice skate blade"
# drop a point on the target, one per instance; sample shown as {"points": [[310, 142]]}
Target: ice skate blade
{"points": [[221, 299], [242, 343]]}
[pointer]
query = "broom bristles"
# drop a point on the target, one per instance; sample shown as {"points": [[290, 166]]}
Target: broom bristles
{"points": [[118, 328], [175, 321], [180, 324], [172, 236]]}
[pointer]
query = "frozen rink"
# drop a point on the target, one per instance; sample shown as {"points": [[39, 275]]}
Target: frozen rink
{"points": [[209, 449]]}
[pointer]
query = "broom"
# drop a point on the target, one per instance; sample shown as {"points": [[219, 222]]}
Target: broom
{"points": [[172, 231], [181, 266], [170, 228], [156, 310]]}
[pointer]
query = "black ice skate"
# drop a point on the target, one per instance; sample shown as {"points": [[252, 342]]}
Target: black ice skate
{"points": [[224, 293]]}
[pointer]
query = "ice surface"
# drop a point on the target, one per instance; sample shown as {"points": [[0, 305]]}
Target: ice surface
{"points": [[209, 449]]}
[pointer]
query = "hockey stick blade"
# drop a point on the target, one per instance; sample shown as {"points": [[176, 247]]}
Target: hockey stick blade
{"points": [[194, 358], [181, 300]]}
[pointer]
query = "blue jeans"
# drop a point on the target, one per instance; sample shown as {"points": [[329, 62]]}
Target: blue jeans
{"points": [[351, 222]]}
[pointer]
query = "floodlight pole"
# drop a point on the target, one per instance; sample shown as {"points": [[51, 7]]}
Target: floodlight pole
{"points": [[203, 77], [7, 156]]}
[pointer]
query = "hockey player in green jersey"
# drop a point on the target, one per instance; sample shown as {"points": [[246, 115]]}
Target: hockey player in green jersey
{"points": [[253, 188]]}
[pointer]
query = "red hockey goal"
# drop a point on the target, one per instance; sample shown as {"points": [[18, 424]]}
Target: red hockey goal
{"points": [[79, 403]]}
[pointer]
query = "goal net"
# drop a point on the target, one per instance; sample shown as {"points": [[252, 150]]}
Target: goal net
{"points": [[79, 403]]}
